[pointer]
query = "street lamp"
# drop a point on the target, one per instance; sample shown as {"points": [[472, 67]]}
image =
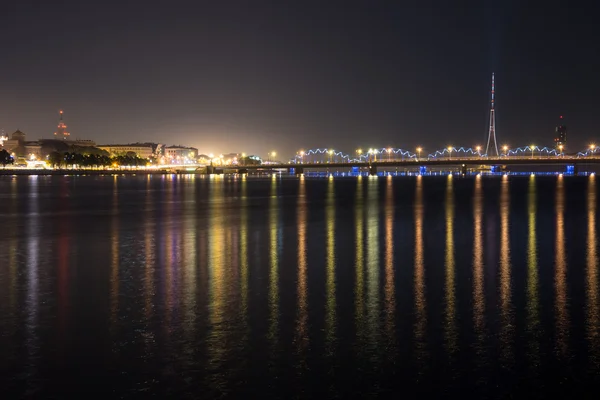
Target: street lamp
{"points": [[593, 148], [450, 152], [389, 151], [478, 148], [560, 147], [419, 153], [301, 156], [531, 147], [330, 155], [358, 153], [505, 148]]}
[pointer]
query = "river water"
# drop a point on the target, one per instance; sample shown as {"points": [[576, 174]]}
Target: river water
{"points": [[231, 287]]}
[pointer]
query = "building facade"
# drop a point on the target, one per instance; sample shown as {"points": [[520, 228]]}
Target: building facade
{"points": [[180, 154], [19, 147], [12, 143], [560, 136], [140, 150]]}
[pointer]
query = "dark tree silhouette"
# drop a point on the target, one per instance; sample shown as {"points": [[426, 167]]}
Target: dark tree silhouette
{"points": [[56, 159], [5, 158]]}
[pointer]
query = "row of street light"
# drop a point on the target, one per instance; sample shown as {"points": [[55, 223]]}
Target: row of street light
{"points": [[450, 149]]}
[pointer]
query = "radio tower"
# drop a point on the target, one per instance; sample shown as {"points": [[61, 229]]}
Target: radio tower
{"points": [[492, 144]]}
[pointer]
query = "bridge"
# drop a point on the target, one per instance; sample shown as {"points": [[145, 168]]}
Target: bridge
{"points": [[460, 158], [393, 154], [563, 163]]}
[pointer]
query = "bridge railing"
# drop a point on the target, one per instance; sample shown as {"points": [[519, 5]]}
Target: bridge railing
{"points": [[457, 153]]}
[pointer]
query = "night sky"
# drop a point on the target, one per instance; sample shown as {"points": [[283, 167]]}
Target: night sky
{"points": [[257, 76]]}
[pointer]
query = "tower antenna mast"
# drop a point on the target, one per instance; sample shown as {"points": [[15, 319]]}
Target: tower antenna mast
{"points": [[492, 144]]}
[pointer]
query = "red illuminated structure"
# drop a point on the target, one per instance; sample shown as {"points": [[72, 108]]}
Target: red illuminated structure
{"points": [[61, 132], [560, 136]]}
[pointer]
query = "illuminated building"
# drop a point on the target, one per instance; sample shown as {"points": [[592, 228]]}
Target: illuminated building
{"points": [[16, 139], [142, 150], [61, 130], [62, 135], [560, 135], [20, 147], [231, 158], [203, 159], [180, 154]]}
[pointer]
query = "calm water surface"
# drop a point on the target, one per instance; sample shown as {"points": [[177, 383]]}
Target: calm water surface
{"points": [[198, 287]]}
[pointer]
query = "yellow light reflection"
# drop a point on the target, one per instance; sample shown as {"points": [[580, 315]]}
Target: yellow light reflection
{"points": [[217, 277], [593, 314], [114, 269], [302, 338], [330, 323], [149, 248], [560, 279], [11, 225], [533, 317], [168, 232], [244, 232], [32, 302], [505, 279], [359, 295], [478, 276], [274, 266], [330, 309], [420, 287], [189, 253], [373, 320], [451, 330], [390, 298]]}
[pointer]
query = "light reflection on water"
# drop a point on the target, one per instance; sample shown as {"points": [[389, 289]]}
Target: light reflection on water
{"points": [[359, 291], [302, 338], [274, 269], [420, 285], [330, 307], [390, 296], [372, 269], [505, 276], [533, 312], [562, 313], [32, 303], [226, 286], [593, 313], [478, 273], [450, 290]]}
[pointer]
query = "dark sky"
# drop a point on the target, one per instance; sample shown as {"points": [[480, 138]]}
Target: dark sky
{"points": [[257, 76]]}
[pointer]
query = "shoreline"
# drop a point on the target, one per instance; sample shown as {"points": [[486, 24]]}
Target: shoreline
{"points": [[84, 172], [62, 172]]}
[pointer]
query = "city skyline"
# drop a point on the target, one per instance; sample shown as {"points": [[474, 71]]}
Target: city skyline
{"points": [[254, 79]]}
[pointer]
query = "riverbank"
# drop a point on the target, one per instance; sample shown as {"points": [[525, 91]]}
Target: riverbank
{"points": [[100, 172], [62, 172]]}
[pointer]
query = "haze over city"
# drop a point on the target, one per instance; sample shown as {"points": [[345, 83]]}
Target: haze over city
{"points": [[266, 76]]}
